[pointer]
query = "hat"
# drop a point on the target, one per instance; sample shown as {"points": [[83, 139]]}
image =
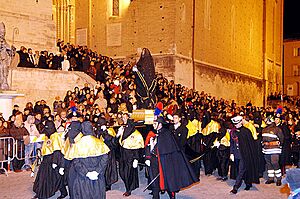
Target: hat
{"points": [[101, 121], [49, 128], [270, 119], [73, 114], [160, 120], [236, 119], [279, 116], [292, 178]]}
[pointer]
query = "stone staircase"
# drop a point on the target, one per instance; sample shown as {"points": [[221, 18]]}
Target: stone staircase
{"points": [[37, 84]]}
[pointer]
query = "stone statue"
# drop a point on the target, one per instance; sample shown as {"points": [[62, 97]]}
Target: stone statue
{"points": [[6, 55]]}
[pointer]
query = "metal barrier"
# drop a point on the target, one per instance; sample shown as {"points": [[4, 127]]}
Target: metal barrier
{"points": [[11, 149], [21, 153], [7, 152]]}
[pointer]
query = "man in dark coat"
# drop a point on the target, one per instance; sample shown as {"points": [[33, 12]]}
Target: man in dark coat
{"points": [[245, 155], [285, 158], [43, 61], [162, 153], [179, 131]]}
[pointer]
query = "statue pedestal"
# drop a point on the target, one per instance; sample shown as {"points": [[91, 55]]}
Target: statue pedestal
{"points": [[6, 105]]}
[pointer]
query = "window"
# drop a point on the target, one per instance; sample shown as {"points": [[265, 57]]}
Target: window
{"points": [[296, 70], [296, 52], [115, 8]]}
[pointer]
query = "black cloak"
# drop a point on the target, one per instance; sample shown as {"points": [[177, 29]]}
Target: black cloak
{"points": [[249, 153], [176, 172], [145, 80], [80, 186], [47, 182], [128, 174], [111, 172]]}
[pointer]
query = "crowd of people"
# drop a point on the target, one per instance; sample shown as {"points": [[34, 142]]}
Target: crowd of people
{"points": [[67, 58], [212, 134], [284, 98]]}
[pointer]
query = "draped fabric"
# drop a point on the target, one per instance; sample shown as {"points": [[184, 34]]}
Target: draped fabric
{"points": [[145, 80], [80, 186], [174, 177], [46, 182]]}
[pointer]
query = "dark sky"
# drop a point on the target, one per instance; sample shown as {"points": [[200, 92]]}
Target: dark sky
{"points": [[291, 27]]}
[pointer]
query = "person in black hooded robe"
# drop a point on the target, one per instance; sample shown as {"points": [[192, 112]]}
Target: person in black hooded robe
{"points": [[244, 154], [48, 181], [87, 169], [162, 153], [257, 119], [129, 154], [111, 172], [210, 133], [145, 81]]}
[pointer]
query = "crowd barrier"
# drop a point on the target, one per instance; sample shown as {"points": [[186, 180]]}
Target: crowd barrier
{"points": [[11, 149]]}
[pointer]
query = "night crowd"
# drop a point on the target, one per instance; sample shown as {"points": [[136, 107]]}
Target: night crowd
{"points": [[191, 129]]}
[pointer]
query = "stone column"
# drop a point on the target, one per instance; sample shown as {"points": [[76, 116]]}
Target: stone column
{"points": [[6, 105]]}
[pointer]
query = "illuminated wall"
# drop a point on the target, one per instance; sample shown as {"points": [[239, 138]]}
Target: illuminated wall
{"points": [[292, 67], [240, 41]]}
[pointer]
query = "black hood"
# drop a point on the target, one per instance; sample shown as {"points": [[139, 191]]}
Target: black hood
{"points": [[87, 128], [49, 128], [73, 130]]}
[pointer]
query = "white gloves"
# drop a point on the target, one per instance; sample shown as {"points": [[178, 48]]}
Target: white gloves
{"points": [[147, 162], [134, 68], [120, 131], [134, 107], [232, 157], [103, 127], [54, 166], [217, 144], [170, 117], [135, 163], [61, 171], [92, 175], [152, 143]]}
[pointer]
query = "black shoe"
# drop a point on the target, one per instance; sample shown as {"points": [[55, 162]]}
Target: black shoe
{"points": [[151, 193], [126, 194], [107, 188], [219, 178], [278, 183], [248, 186], [224, 179], [233, 191], [269, 181], [62, 196]]}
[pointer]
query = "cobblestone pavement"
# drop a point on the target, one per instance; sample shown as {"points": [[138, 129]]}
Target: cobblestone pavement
{"points": [[19, 186]]}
